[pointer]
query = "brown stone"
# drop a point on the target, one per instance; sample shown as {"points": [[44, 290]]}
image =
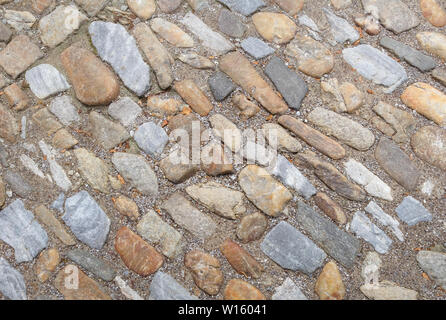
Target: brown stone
{"points": [[137, 255], [382, 126], [433, 42], [433, 12], [252, 227], [241, 290], [330, 207], [73, 284], [2, 193], [205, 271], [41, 5], [238, 67], [193, 96], [274, 27], [439, 74], [219, 163], [401, 121], [93, 82], [46, 263], [313, 137], [171, 33], [63, 140], [47, 218], [429, 144], [16, 97], [329, 285], [241, 260], [144, 9], [46, 121], [168, 6], [248, 108], [177, 167], [127, 207], [9, 128], [292, 7], [164, 107]]}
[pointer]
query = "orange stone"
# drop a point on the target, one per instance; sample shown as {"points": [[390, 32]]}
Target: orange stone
{"points": [[193, 96], [241, 290], [241, 260], [329, 285]]}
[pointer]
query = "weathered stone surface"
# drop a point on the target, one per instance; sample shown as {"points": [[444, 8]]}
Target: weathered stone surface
{"points": [[397, 164], [9, 128], [157, 55], [412, 212], [19, 20], [395, 15], [256, 48], [292, 7], [125, 110], [439, 74], [93, 82], [63, 109], [341, 30], [126, 290], [109, 39], [427, 101], [365, 229], [45, 80], [226, 131], [252, 227], [20, 230], [2, 193], [12, 283], [18, 185], [172, 33], [17, 99], [86, 219], [57, 172], [236, 66], [433, 42], [177, 168], [164, 287], [341, 4], [330, 207], [189, 217], [92, 7], [168, 6], [160, 107], [376, 66], [387, 290], [433, 12], [47, 218], [288, 290], [221, 86], [97, 266], [245, 7], [274, 27], [151, 138], [386, 220], [152, 228], [230, 24], [241, 290], [214, 160], [209, 38], [434, 264], [137, 171], [334, 179], [143, 9], [412, 56], [342, 246], [198, 5], [106, 133], [193, 96], [374, 186], [93, 170], [58, 25], [248, 108], [18, 55], [46, 121], [329, 284], [126, 207], [86, 288], [137, 254], [280, 138], [292, 250], [429, 144], [310, 56], [341, 98], [5, 33], [241, 260], [205, 271], [196, 61]]}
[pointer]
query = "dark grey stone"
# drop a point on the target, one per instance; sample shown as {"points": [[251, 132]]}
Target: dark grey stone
{"points": [[164, 287], [18, 185], [12, 283], [340, 245], [221, 86], [245, 7], [411, 211], [93, 264], [292, 87], [257, 48], [292, 250], [230, 24]]}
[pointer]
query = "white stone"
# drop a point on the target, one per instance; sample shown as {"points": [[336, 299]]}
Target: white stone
{"points": [[57, 172], [365, 229], [385, 219]]}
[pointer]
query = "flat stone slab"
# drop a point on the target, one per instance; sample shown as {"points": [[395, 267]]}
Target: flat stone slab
{"points": [[434, 264], [365, 229], [290, 249], [412, 212], [292, 87], [341, 30], [86, 219], [151, 138], [257, 48], [385, 219], [117, 47], [340, 245], [230, 24], [221, 86], [45, 80], [288, 291], [245, 7], [412, 56], [92, 7], [12, 283], [429, 144], [164, 287], [93, 264], [125, 110], [64, 110], [20, 229], [376, 66]]}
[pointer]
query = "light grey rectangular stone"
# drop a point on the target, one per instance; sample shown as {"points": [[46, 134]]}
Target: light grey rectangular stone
{"points": [[12, 283], [411, 211], [164, 287], [364, 228]]}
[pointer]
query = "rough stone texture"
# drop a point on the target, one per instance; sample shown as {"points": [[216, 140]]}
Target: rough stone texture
{"points": [[230, 24], [12, 283], [341, 30], [47, 218], [125, 110], [45, 80], [136, 170], [19, 20], [397, 164], [248, 108], [126, 207], [280, 138], [433, 12], [97, 266], [57, 172], [252, 227], [274, 27], [108, 39], [386, 220], [329, 285], [164, 287], [189, 217], [292, 250], [143, 9], [177, 168], [20, 230], [17, 98], [196, 61], [5, 33], [256, 48], [387, 290], [433, 42], [429, 144], [126, 290], [221, 86], [193, 96], [93, 169], [288, 290], [46, 121], [330, 207], [238, 67], [225, 130], [62, 108], [168, 6], [412, 212], [365, 229], [92, 7], [241, 290], [439, 74], [376, 66], [292, 7], [245, 7], [107, 133], [9, 128], [241, 260], [137, 254], [434, 264], [151, 138], [18, 185], [86, 219], [205, 271], [172, 33]]}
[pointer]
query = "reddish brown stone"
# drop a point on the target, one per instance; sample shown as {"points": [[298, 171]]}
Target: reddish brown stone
{"points": [[241, 290], [330, 207], [41, 5], [252, 227], [241, 260], [16, 97], [193, 96], [9, 128]]}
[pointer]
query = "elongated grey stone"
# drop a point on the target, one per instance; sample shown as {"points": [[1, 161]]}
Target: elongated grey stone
{"points": [[86, 219], [412, 56], [376, 66], [339, 244], [45, 80], [151, 138], [125, 110], [93, 264], [12, 283], [164, 287], [245, 7], [20, 229], [434, 264], [340, 28], [117, 47], [411, 211], [64, 110], [385, 219], [257, 48], [290, 249], [291, 177], [292, 87], [365, 229]]}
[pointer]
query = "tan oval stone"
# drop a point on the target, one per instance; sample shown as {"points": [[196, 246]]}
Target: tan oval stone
{"points": [[252, 227], [429, 144], [292, 7], [93, 82], [160, 107], [433, 12], [144, 9], [46, 263], [329, 285], [241, 290], [127, 207], [194, 97], [137, 255], [241, 260], [274, 27], [433, 42], [172, 33]]}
